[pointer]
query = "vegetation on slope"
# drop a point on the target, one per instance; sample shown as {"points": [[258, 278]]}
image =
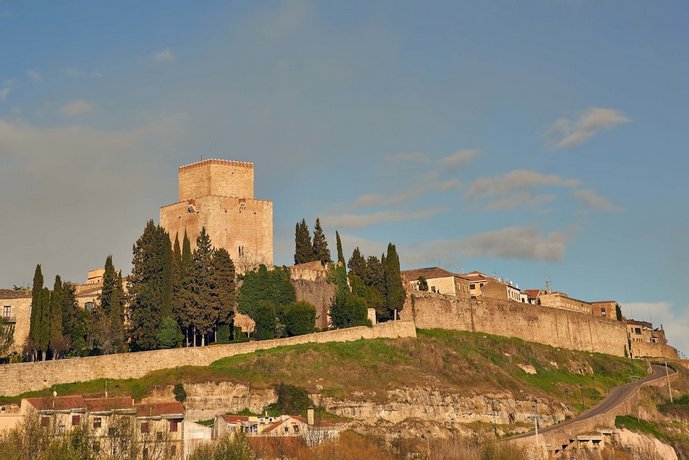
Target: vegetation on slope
{"points": [[452, 361]]}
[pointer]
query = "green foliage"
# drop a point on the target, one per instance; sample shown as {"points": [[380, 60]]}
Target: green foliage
{"points": [[234, 447], [179, 392], [224, 334], [299, 318], [58, 344], [618, 312], [169, 334], [273, 286], [320, 245], [639, 425], [73, 321], [357, 264], [347, 309], [292, 400], [340, 254], [265, 317], [303, 251], [36, 307], [394, 290], [205, 301], [224, 283], [6, 337], [150, 286], [107, 321], [423, 284]]}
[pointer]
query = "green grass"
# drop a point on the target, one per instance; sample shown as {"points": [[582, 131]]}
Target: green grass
{"points": [[453, 361], [638, 425]]}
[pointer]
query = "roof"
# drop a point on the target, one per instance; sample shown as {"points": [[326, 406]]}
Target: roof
{"points": [[427, 272], [532, 293], [57, 403], [476, 276], [279, 422], [159, 409], [603, 301], [235, 418], [15, 294], [210, 161], [108, 404], [640, 323]]}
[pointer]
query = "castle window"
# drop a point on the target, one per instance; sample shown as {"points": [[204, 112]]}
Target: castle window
{"points": [[7, 312]]}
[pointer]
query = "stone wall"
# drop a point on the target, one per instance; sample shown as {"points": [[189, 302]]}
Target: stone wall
{"points": [[318, 293], [20, 378], [549, 326], [653, 350], [216, 177], [20, 313]]}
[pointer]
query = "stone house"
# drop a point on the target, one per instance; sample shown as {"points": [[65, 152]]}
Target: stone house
{"points": [[606, 309], [645, 341], [439, 281], [564, 302], [484, 286]]}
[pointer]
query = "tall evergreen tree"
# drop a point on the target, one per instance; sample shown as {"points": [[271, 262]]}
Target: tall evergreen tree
{"points": [[184, 297], [57, 340], [149, 286], [320, 245], [117, 309], [357, 264], [44, 332], [224, 282], [205, 298], [36, 306], [303, 248], [105, 298], [340, 254], [73, 320], [394, 289]]}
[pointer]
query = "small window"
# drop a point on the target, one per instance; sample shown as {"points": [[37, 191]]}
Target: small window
{"points": [[76, 419], [173, 450], [61, 428], [472, 286], [173, 426], [286, 429], [296, 428], [95, 447], [45, 421], [144, 427], [7, 312], [159, 435], [112, 431], [97, 422]]}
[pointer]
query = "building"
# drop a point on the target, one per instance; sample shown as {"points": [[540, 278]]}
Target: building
{"points": [[606, 309], [219, 195], [439, 281], [484, 286], [645, 341], [564, 302]]}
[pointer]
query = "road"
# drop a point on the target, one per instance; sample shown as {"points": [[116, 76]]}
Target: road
{"points": [[617, 396]]}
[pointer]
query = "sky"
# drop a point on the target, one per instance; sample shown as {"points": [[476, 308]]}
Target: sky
{"points": [[534, 140]]}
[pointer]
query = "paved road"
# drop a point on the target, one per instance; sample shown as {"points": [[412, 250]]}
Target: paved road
{"points": [[617, 396]]}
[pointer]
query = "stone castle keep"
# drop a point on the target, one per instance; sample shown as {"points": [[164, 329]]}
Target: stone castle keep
{"points": [[219, 195]]}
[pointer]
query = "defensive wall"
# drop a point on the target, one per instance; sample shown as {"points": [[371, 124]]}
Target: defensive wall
{"points": [[533, 323], [19, 378], [654, 350]]}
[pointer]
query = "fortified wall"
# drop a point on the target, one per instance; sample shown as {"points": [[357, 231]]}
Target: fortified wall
{"points": [[549, 326], [310, 281], [19, 378]]}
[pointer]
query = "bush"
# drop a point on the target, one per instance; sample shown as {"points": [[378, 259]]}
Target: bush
{"points": [[235, 447], [292, 400], [169, 335], [224, 334], [179, 392], [265, 316], [299, 318]]}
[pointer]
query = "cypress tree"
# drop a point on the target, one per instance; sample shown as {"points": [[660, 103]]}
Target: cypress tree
{"points": [[184, 298], [394, 289], [117, 302], [105, 299], [149, 286], [303, 248], [57, 341], [44, 331], [36, 307], [320, 245], [224, 282], [340, 254], [73, 320], [205, 300], [357, 264]]}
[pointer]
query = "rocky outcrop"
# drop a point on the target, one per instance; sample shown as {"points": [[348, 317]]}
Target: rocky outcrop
{"points": [[643, 446]]}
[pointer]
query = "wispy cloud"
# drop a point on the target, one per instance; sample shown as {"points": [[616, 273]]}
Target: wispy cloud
{"points": [[594, 201], [165, 56], [524, 243], [358, 221], [514, 181], [566, 132], [76, 107], [674, 320], [521, 199], [6, 89], [459, 159], [71, 71], [34, 75]]}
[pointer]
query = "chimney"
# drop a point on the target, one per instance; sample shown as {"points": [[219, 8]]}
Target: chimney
{"points": [[310, 418]]}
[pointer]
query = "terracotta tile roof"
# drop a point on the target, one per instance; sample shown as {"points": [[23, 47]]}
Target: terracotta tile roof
{"points": [[159, 409], [532, 293], [476, 276], [427, 272], [14, 294], [58, 403], [108, 404], [279, 422], [235, 418]]}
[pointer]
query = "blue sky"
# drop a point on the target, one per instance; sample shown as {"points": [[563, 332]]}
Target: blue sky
{"points": [[532, 140]]}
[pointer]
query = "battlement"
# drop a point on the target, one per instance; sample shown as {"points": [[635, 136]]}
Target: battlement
{"points": [[216, 177]]}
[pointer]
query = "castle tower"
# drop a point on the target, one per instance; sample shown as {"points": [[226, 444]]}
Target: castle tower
{"points": [[219, 195]]}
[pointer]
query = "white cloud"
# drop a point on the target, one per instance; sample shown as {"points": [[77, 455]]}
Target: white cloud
{"points": [[674, 320], [76, 107], [164, 56], [514, 181], [459, 159], [6, 89], [593, 201], [34, 75], [524, 243], [71, 71], [565, 132], [352, 221], [525, 199]]}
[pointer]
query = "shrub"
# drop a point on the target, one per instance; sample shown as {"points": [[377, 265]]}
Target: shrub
{"points": [[179, 392], [299, 318]]}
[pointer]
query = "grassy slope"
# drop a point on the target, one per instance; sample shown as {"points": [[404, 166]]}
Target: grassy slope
{"points": [[448, 360]]}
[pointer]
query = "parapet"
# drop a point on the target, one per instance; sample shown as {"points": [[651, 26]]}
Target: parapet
{"points": [[216, 177]]}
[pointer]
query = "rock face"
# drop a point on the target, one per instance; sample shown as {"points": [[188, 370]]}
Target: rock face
{"points": [[644, 446]]}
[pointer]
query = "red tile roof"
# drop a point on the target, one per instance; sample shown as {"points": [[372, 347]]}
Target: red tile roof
{"points": [[428, 273], [533, 293], [159, 409], [58, 403], [108, 404], [15, 294]]}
